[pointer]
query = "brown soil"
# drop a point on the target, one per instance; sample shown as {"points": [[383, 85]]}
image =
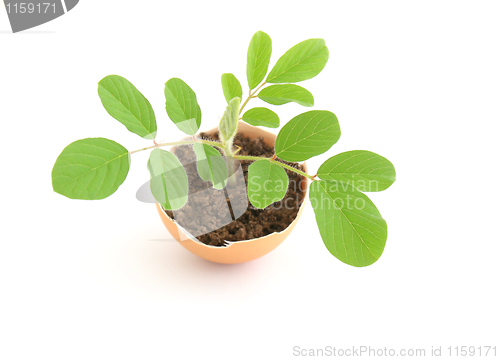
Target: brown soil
{"points": [[254, 223]]}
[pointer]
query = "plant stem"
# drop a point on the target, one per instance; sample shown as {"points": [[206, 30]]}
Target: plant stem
{"points": [[251, 95], [185, 142], [291, 168], [220, 146]]}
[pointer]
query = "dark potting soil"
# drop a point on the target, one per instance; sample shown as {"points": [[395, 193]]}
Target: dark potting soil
{"points": [[254, 223]]}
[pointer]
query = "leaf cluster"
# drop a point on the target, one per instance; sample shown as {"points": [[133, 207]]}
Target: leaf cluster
{"points": [[349, 223]]}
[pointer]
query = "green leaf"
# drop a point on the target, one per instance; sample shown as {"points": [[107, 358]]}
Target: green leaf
{"points": [[188, 126], [211, 165], [258, 57], [169, 182], [282, 94], [90, 169], [228, 125], [261, 117], [267, 183], [182, 106], [307, 135], [364, 170], [231, 87], [126, 104], [349, 223], [303, 61]]}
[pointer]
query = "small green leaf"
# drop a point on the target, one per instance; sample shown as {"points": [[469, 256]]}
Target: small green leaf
{"points": [[261, 117], [267, 183], [303, 61], [211, 165], [182, 106], [126, 104], [231, 87], [282, 94], [169, 182], [258, 57], [90, 169], [307, 135], [228, 125], [349, 223], [364, 170]]}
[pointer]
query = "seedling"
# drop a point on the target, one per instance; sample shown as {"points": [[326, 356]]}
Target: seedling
{"points": [[349, 223]]}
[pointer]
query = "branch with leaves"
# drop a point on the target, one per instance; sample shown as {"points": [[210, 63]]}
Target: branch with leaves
{"points": [[349, 223]]}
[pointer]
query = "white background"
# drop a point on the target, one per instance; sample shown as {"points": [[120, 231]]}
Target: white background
{"points": [[415, 81]]}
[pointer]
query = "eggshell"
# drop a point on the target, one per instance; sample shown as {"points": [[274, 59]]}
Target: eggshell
{"points": [[240, 251]]}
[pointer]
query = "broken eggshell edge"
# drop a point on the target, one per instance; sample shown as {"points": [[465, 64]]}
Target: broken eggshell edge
{"points": [[239, 251]]}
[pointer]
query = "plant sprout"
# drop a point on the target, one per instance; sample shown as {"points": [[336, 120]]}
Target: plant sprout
{"points": [[349, 223]]}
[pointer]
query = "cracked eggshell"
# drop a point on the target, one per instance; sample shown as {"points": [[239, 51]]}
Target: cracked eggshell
{"points": [[240, 251]]}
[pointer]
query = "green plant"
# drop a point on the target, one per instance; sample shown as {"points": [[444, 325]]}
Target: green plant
{"points": [[351, 226]]}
